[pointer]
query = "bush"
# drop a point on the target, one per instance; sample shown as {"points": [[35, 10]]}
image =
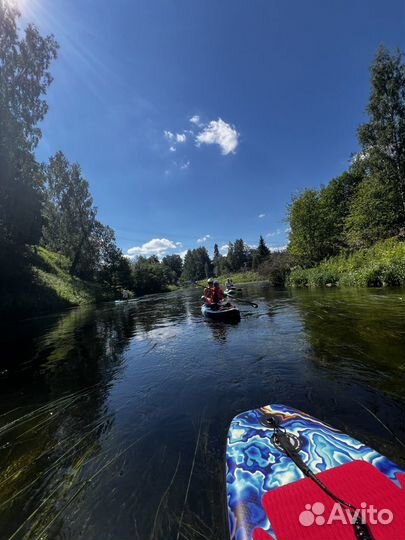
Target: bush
{"points": [[378, 266], [276, 268]]}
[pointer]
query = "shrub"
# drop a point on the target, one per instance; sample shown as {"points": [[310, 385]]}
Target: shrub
{"points": [[380, 265]]}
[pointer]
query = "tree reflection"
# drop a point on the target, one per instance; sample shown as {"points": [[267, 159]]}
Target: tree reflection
{"points": [[360, 332], [51, 441]]}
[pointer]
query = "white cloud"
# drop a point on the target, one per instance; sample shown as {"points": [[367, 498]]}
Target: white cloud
{"points": [[156, 246], [224, 249], [179, 244], [288, 230], [277, 248], [220, 133], [204, 239], [174, 138], [195, 120], [182, 253], [169, 135], [273, 233], [181, 137], [261, 215], [185, 165]]}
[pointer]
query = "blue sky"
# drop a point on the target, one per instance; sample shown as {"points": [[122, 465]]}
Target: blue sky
{"points": [[275, 90]]}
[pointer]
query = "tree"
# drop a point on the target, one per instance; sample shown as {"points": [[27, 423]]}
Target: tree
{"points": [[308, 230], [70, 223], [116, 270], [217, 261], [335, 205], [197, 264], [383, 137], [260, 254], [262, 250], [238, 255], [70, 217], [149, 275], [372, 216], [175, 264], [276, 267], [25, 59]]}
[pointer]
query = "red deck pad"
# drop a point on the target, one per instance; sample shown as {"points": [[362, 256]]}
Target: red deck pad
{"points": [[292, 512]]}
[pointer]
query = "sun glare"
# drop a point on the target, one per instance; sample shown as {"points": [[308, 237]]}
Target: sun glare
{"points": [[19, 4], [30, 9]]}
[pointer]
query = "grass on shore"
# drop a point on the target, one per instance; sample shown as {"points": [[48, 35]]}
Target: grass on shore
{"points": [[238, 279], [46, 286], [380, 265]]}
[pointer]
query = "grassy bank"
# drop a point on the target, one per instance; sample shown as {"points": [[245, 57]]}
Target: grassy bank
{"points": [[45, 286], [238, 279], [378, 266]]}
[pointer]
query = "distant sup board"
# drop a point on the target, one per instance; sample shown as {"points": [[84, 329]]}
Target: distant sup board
{"points": [[270, 498]]}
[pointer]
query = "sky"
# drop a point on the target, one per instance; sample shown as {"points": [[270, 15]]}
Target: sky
{"points": [[195, 121]]}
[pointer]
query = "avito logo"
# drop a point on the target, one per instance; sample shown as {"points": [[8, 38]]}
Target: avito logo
{"points": [[315, 514]]}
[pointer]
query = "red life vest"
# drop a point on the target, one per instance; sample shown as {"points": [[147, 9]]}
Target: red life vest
{"points": [[217, 295]]}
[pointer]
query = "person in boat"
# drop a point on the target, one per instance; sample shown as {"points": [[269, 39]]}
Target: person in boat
{"points": [[229, 284], [217, 294], [208, 291]]}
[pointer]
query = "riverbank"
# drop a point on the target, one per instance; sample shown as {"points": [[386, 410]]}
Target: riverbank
{"points": [[45, 286], [238, 279], [378, 266]]}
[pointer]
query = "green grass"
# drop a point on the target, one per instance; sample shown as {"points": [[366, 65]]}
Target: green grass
{"points": [[45, 286], [242, 277], [378, 266]]}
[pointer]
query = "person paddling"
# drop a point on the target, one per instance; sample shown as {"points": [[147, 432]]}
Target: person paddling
{"points": [[208, 291], [217, 294]]}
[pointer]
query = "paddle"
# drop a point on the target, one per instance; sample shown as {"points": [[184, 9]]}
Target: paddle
{"points": [[253, 304]]}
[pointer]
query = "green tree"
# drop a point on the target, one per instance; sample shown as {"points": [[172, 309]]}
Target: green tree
{"points": [[149, 275], [335, 205], [217, 261], [308, 229], [372, 214], [70, 223], [197, 264], [70, 217], [175, 264], [276, 267], [383, 137], [115, 269], [238, 255], [260, 254], [25, 58]]}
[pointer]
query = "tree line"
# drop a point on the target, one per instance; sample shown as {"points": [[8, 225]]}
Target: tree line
{"points": [[46, 204], [240, 257], [367, 202]]}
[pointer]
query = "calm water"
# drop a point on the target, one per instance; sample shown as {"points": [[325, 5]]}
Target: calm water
{"points": [[113, 419]]}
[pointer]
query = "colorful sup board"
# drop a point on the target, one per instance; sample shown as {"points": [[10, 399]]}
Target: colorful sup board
{"points": [[269, 497]]}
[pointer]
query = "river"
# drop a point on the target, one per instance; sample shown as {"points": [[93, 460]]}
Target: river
{"points": [[113, 419]]}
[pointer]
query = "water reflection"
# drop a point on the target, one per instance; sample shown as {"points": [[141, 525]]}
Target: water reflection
{"points": [[113, 419], [52, 441], [362, 332]]}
